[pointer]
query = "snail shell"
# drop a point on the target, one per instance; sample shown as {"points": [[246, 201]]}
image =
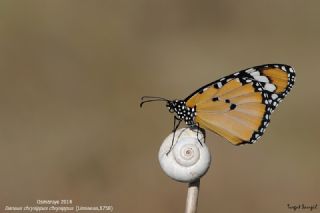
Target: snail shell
{"points": [[188, 160]]}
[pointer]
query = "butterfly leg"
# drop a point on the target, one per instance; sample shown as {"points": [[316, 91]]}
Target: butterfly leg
{"points": [[175, 127], [203, 132]]}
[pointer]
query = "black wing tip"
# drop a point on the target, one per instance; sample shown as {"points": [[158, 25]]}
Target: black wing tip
{"points": [[276, 65]]}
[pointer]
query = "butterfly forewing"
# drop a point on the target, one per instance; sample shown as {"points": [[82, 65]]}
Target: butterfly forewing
{"points": [[238, 106]]}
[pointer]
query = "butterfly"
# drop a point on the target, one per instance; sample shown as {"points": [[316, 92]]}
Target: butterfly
{"points": [[236, 107]]}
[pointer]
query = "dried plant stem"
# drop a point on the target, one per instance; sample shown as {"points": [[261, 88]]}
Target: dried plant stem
{"points": [[192, 197]]}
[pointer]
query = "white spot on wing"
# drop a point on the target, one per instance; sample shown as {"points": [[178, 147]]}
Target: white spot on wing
{"points": [[270, 87], [255, 73], [274, 96], [250, 70], [262, 79]]}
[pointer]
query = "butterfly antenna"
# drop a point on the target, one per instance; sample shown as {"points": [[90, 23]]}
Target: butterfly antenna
{"points": [[151, 99], [154, 97]]}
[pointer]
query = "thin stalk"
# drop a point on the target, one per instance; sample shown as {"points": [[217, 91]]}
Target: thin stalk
{"points": [[192, 197]]}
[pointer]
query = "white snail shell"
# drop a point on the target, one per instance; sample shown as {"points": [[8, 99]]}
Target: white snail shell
{"points": [[188, 160]]}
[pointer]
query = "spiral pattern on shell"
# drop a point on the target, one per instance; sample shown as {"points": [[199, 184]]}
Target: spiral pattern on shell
{"points": [[189, 159], [186, 153]]}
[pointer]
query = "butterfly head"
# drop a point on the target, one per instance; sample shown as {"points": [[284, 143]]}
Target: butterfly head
{"points": [[175, 106], [179, 107], [171, 105]]}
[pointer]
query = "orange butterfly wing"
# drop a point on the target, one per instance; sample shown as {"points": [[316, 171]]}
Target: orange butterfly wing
{"points": [[238, 107]]}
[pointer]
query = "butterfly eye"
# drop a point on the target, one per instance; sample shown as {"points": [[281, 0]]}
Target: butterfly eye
{"points": [[171, 110], [170, 106]]}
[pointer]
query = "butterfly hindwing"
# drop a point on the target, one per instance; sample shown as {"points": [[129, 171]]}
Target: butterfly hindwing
{"points": [[238, 106]]}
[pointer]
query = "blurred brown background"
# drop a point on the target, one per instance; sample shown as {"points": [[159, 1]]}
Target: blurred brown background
{"points": [[72, 74]]}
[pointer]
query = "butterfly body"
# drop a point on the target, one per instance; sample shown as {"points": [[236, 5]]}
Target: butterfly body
{"points": [[182, 111], [238, 106]]}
